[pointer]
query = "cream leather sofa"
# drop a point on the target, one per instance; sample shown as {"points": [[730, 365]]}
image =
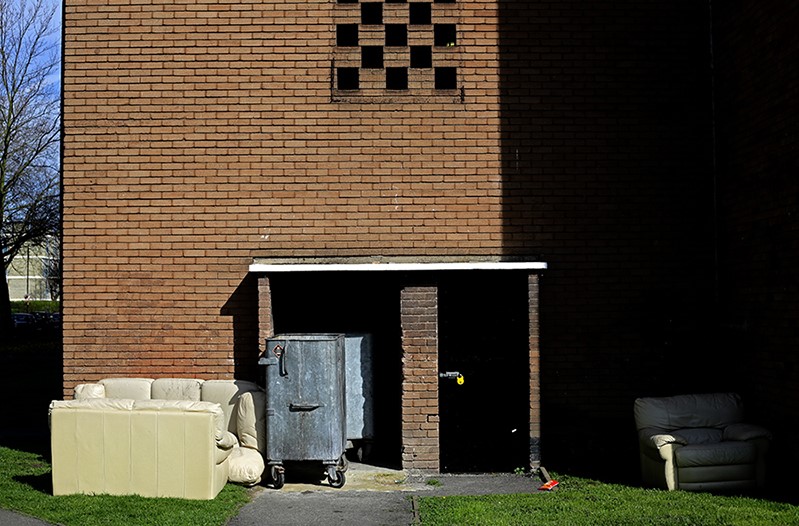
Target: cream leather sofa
{"points": [[699, 442], [170, 437]]}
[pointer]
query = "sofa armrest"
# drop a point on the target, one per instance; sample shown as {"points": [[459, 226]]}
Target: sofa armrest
{"points": [[745, 432], [226, 440]]}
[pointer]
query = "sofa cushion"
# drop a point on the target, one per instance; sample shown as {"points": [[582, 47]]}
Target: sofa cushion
{"points": [[245, 466], [176, 389], [698, 435], [723, 453], [251, 420], [83, 391], [132, 388], [685, 411], [226, 393]]}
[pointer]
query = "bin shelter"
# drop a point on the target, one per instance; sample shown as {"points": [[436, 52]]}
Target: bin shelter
{"points": [[425, 324]]}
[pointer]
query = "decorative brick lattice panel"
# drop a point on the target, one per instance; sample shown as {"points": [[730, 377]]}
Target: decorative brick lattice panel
{"points": [[396, 50]]}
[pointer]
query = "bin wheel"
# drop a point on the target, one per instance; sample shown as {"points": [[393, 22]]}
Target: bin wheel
{"points": [[278, 478], [338, 481]]}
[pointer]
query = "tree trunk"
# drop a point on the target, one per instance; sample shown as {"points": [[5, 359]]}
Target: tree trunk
{"points": [[6, 325]]}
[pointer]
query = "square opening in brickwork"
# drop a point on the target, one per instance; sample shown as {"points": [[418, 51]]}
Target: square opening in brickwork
{"points": [[372, 57], [446, 78], [445, 35], [347, 35], [420, 13], [372, 13], [421, 57], [396, 35], [347, 79], [397, 78]]}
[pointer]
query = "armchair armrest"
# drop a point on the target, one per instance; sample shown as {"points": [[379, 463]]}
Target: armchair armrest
{"points": [[656, 438], [745, 432]]}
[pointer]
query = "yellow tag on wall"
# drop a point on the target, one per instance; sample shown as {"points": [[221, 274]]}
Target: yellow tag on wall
{"points": [[460, 379]]}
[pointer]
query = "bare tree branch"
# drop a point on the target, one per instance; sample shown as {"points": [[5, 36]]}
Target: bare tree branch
{"points": [[29, 130]]}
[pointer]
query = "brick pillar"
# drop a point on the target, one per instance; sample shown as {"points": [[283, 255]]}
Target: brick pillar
{"points": [[419, 318], [266, 324], [535, 372]]}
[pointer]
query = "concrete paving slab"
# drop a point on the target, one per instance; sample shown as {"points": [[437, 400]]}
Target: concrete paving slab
{"points": [[12, 518], [372, 496]]}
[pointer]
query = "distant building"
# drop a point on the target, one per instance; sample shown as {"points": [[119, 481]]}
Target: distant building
{"points": [[29, 273]]}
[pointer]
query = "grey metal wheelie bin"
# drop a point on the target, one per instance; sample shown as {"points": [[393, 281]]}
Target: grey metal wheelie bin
{"points": [[305, 403]]}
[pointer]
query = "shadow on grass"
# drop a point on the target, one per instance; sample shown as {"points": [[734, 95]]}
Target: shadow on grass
{"points": [[42, 483], [31, 375]]}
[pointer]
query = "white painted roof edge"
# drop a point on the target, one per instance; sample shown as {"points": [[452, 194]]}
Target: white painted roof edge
{"points": [[404, 267]]}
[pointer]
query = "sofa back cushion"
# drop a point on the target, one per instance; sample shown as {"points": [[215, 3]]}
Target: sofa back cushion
{"points": [[226, 393], [176, 389], [84, 391], [715, 410], [251, 420], [130, 388]]}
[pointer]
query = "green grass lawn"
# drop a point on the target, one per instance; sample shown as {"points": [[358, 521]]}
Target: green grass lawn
{"points": [[583, 502], [25, 486], [35, 306]]}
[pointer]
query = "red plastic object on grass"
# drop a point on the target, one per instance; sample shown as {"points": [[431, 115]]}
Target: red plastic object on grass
{"points": [[549, 485]]}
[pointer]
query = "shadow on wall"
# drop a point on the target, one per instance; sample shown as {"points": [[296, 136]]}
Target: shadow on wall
{"points": [[606, 159], [242, 306]]}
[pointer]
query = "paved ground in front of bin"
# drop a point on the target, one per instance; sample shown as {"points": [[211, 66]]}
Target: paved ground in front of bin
{"points": [[371, 496], [12, 518]]}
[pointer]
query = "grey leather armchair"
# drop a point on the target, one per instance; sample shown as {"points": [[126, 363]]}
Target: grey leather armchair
{"points": [[699, 442]]}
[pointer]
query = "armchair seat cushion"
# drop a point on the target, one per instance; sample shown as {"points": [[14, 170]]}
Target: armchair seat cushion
{"points": [[718, 454]]}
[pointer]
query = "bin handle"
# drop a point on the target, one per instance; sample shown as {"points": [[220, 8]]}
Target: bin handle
{"points": [[303, 407], [280, 351]]}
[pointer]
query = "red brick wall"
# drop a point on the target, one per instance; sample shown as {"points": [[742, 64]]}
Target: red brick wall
{"points": [[757, 107], [200, 135]]}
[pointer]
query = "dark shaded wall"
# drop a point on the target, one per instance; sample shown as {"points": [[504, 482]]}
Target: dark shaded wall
{"points": [[606, 143], [757, 130]]}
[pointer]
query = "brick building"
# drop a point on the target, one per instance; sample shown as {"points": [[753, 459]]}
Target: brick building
{"points": [[232, 169]]}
